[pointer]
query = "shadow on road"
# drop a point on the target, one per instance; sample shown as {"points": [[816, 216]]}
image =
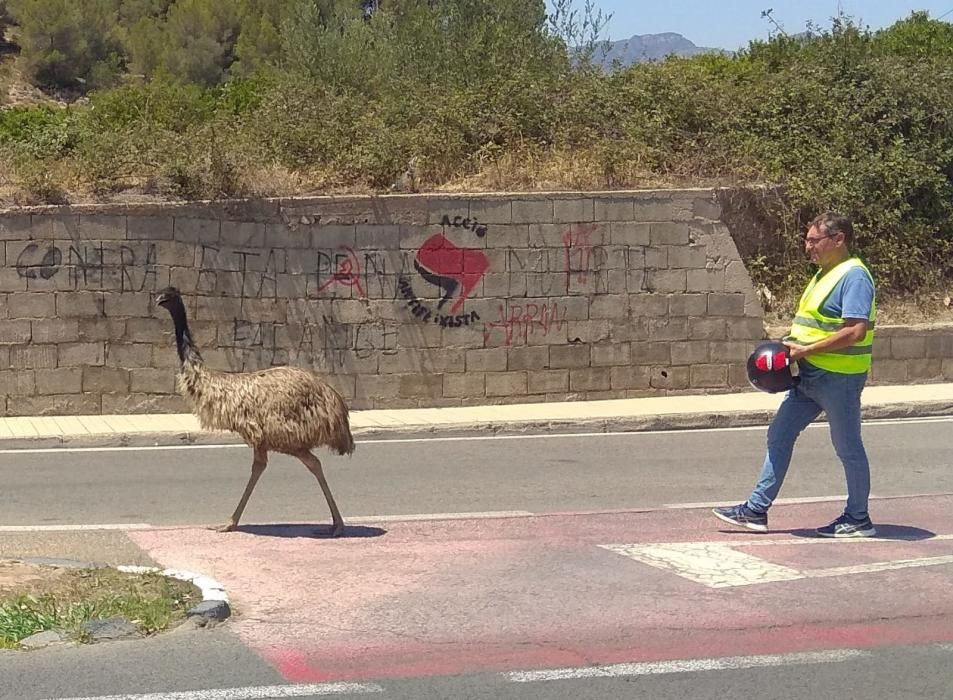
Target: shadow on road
{"points": [[310, 531], [885, 531]]}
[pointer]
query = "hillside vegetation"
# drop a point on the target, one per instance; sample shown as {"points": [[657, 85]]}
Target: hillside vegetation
{"points": [[204, 99]]}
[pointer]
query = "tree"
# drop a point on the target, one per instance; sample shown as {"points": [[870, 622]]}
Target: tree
{"points": [[69, 43], [260, 40], [193, 41], [918, 37], [131, 11]]}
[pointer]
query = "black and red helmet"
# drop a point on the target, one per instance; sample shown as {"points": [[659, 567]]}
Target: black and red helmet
{"points": [[769, 367]]}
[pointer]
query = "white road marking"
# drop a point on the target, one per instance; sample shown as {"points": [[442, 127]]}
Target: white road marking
{"points": [[471, 438], [878, 566], [843, 541], [720, 565], [713, 565], [485, 515], [70, 528], [211, 589], [248, 693], [780, 502], [687, 666], [350, 520], [631, 433], [142, 448]]}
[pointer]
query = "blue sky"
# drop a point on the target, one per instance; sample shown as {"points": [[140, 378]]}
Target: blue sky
{"points": [[730, 24]]}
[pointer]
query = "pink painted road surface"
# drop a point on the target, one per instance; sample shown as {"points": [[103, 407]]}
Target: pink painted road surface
{"points": [[437, 597]]}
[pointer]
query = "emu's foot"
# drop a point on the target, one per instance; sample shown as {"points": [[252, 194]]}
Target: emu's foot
{"points": [[227, 527], [337, 529]]}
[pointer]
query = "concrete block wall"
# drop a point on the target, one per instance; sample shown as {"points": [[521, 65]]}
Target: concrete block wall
{"points": [[403, 300]]}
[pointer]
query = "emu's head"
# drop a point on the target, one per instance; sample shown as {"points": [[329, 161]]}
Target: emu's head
{"points": [[169, 298]]}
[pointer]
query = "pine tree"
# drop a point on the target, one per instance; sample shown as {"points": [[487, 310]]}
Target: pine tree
{"points": [[69, 43]]}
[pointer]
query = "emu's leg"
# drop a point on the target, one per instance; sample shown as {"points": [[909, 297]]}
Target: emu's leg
{"points": [[258, 465], [314, 466]]}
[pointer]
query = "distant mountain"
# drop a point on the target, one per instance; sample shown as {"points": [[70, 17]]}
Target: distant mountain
{"points": [[646, 47]]}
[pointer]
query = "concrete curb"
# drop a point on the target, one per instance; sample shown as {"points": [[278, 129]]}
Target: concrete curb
{"points": [[645, 423], [485, 428], [214, 605]]}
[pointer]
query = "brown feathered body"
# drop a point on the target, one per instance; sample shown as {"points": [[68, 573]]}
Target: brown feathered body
{"points": [[284, 409]]}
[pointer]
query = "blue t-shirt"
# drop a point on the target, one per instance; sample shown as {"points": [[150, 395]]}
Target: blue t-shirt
{"points": [[852, 297]]}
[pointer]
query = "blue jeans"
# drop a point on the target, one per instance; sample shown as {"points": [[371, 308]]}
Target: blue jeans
{"points": [[838, 395]]}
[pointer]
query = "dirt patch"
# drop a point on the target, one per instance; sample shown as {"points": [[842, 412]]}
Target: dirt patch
{"points": [[17, 577]]}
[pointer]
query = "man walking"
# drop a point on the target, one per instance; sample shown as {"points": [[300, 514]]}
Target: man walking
{"points": [[831, 340]]}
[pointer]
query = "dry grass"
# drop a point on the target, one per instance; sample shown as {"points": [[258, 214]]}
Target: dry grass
{"points": [[39, 598], [555, 170], [922, 308]]}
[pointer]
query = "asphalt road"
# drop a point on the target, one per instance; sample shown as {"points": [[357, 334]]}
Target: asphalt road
{"points": [[547, 474], [187, 486]]}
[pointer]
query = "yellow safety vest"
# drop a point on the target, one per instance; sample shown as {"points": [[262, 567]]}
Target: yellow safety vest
{"points": [[811, 326]]}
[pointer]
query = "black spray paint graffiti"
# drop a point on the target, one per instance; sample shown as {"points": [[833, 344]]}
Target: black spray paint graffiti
{"points": [[582, 267], [34, 264], [424, 313], [256, 273], [467, 224], [325, 344], [95, 266], [275, 273], [347, 271]]}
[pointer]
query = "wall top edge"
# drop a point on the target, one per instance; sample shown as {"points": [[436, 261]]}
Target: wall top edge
{"points": [[273, 206], [886, 328]]}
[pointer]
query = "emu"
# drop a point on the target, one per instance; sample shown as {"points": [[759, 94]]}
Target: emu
{"points": [[287, 410]]}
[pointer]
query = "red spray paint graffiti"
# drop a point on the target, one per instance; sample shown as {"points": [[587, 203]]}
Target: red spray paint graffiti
{"points": [[520, 322], [457, 271], [578, 247], [348, 273]]}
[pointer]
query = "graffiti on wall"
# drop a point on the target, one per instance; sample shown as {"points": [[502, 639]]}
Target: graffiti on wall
{"points": [[454, 271], [578, 248], [433, 282], [95, 266], [323, 273], [466, 223], [326, 343], [521, 323], [347, 272]]}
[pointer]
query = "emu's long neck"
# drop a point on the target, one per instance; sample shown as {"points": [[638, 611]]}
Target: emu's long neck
{"points": [[188, 352]]}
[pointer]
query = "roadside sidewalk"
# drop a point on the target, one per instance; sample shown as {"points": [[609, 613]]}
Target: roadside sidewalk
{"points": [[672, 412]]}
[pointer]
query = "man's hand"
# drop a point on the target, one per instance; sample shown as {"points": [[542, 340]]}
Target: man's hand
{"points": [[797, 351]]}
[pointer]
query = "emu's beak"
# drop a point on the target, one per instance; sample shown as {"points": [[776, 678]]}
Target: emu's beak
{"points": [[162, 299]]}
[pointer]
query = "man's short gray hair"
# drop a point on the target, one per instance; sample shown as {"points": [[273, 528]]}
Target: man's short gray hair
{"points": [[831, 223]]}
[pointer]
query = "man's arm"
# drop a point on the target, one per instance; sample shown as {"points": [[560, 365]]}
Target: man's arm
{"points": [[854, 330]]}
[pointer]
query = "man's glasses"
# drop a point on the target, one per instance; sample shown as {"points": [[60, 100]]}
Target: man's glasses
{"points": [[812, 240]]}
